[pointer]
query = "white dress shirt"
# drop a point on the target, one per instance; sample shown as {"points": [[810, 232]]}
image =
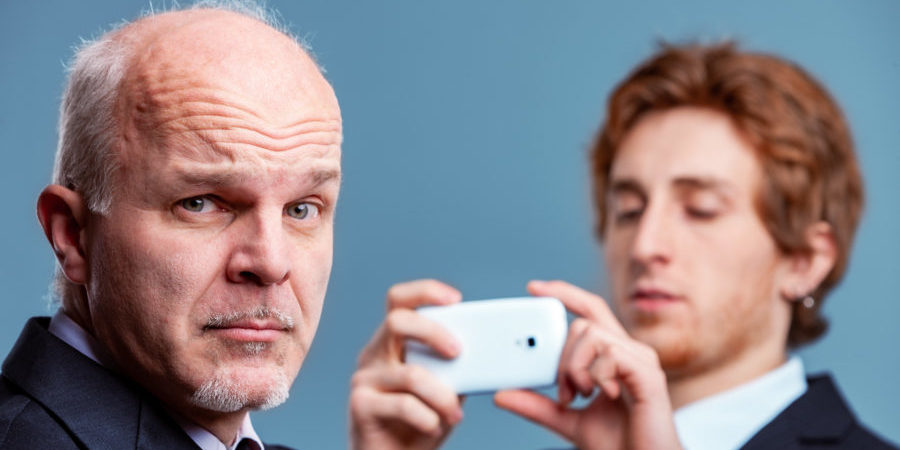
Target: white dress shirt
{"points": [[729, 419], [71, 333]]}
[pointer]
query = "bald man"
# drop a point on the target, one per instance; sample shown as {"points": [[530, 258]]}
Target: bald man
{"points": [[191, 215]]}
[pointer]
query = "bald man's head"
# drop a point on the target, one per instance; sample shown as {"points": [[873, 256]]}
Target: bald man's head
{"points": [[88, 125], [199, 167], [221, 58], [111, 77]]}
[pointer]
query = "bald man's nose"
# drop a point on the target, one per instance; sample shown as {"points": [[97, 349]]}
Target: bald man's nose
{"points": [[261, 254]]}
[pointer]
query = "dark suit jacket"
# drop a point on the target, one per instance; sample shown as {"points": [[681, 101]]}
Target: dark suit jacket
{"points": [[53, 397], [819, 419]]}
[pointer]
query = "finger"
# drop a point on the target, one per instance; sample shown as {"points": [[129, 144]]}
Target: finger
{"points": [[540, 410], [603, 374], [579, 302], [595, 361], [375, 350], [370, 405], [590, 346], [644, 381], [613, 363], [417, 381], [413, 294], [566, 390], [408, 324], [646, 353]]}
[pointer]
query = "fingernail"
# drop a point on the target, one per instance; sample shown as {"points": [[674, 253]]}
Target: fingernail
{"points": [[453, 348]]}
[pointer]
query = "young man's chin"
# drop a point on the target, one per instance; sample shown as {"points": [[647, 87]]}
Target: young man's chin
{"points": [[671, 343]]}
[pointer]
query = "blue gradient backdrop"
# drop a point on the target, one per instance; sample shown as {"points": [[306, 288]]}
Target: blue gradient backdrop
{"points": [[466, 125]]}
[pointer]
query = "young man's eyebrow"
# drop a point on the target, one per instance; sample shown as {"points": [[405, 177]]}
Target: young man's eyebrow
{"points": [[705, 183], [625, 186]]}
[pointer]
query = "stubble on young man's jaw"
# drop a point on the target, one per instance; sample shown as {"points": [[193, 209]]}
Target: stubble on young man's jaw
{"points": [[724, 289]]}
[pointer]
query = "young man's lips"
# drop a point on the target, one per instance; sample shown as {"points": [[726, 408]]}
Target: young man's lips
{"points": [[653, 298]]}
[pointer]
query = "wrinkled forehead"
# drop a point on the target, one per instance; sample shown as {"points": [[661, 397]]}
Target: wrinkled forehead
{"points": [[224, 166], [216, 88], [178, 168], [217, 64]]}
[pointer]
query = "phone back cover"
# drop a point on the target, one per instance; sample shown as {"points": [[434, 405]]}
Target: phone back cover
{"points": [[494, 336]]}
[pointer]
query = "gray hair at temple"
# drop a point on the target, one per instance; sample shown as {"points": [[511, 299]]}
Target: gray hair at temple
{"points": [[86, 159]]}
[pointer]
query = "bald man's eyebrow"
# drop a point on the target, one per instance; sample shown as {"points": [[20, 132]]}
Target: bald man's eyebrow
{"points": [[320, 177], [312, 178], [212, 179]]}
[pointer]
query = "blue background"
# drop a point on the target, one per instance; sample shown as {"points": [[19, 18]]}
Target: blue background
{"points": [[466, 127]]}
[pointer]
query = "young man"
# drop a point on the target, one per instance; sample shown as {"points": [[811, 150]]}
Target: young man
{"points": [[191, 215], [727, 194]]}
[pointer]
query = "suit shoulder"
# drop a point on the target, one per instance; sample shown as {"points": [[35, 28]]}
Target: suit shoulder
{"points": [[26, 424], [862, 437]]}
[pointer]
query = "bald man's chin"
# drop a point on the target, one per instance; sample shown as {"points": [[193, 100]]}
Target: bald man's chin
{"points": [[230, 392]]}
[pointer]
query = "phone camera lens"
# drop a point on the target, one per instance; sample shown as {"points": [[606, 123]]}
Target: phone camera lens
{"points": [[531, 341]]}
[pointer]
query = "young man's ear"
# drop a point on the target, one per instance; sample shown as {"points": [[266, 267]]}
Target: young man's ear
{"points": [[808, 270], [63, 214]]}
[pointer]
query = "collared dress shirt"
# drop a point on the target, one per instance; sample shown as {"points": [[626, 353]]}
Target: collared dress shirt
{"points": [[729, 419], [71, 333]]}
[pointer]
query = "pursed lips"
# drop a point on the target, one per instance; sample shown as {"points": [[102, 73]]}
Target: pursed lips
{"points": [[250, 330]]}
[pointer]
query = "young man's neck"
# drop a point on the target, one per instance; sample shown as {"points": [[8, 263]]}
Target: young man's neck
{"points": [[686, 388]]}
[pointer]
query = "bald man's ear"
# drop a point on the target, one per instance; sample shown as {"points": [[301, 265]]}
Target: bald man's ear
{"points": [[63, 214]]}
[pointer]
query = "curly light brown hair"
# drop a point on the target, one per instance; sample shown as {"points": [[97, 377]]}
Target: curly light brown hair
{"points": [[797, 130]]}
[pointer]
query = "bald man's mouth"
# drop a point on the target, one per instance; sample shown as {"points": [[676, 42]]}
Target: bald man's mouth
{"points": [[262, 324], [250, 330]]}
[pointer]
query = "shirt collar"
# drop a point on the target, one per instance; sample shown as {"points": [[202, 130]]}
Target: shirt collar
{"points": [[208, 441], [66, 329], [71, 333], [729, 419]]}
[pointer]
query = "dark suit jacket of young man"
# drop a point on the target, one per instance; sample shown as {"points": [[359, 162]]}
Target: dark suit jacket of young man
{"points": [[819, 419], [52, 396]]}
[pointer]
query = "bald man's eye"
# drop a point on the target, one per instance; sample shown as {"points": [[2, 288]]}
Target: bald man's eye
{"points": [[303, 211], [201, 204]]}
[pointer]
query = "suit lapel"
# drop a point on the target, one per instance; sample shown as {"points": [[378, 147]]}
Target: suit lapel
{"points": [[818, 417], [99, 408]]}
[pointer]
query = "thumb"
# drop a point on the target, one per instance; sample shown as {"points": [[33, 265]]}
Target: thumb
{"points": [[540, 410]]}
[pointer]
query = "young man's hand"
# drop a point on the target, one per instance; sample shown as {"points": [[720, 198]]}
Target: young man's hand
{"points": [[393, 405], [632, 409]]}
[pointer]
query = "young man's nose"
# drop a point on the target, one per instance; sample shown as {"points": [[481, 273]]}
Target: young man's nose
{"points": [[653, 238]]}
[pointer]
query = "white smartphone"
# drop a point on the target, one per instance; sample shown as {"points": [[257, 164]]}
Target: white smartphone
{"points": [[506, 343]]}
